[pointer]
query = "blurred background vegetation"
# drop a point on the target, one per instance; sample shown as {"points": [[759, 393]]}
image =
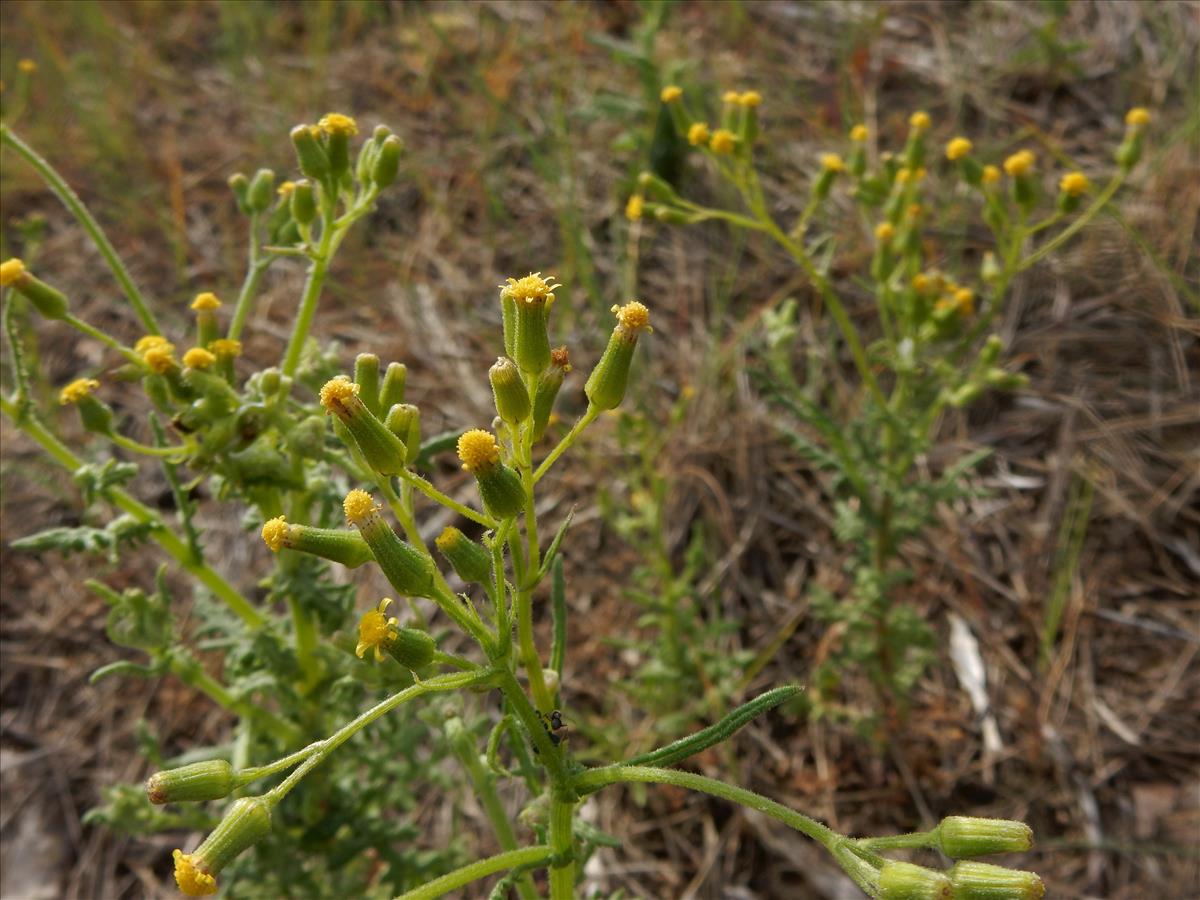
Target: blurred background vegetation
{"points": [[1066, 585]]}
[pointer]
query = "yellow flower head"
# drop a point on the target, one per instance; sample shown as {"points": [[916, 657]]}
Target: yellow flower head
{"points": [[285, 189], [698, 134], [903, 175], [831, 162], [633, 316], [533, 288], [1074, 184], [193, 881], [376, 630], [198, 358], [859, 134], [750, 98], [671, 93], [160, 358], [77, 390], [633, 209], [149, 342], [28, 66], [990, 175], [914, 211], [919, 120], [336, 392], [206, 301], [478, 450], [358, 506], [11, 271], [275, 533], [733, 98], [226, 348], [336, 123], [1020, 163], [958, 148], [964, 301], [722, 141], [921, 283], [1138, 116], [884, 231]]}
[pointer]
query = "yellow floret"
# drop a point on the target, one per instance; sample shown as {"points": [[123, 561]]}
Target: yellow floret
{"points": [[921, 283], [698, 134], [750, 98], [160, 358], [884, 231], [226, 348], [376, 630], [285, 189], [11, 271], [990, 175], [533, 288], [919, 120], [275, 533], [336, 393], [28, 66], [198, 358], [731, 97], [831, 162], [77, 390], [633, 316], [1139, 116], [964, 301], [1020, 163], [1073, 184], [958, 148], [633, 209], [149, 342], [859, 134], [478, 450], [193, 881], [358, 506], [722, 141], [336, 123], [206, 301], [671, 93]]}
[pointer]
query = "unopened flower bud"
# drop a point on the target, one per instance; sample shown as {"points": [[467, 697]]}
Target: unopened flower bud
{"points": [[408, 569], [383, 451], [195, 783], [983, 881], [387, 162], [965, 837], [366, 376], [394, 380], [531, 298], [303, 202], [605, 387], [262, 190], [314, 161], [549, 383], [48, 301], [470, 560], [247, 821], [905, 881], [338, 545], [512, 399], [404, 421], [500, 486], [96, 415], [240, 185], [338, 129]]}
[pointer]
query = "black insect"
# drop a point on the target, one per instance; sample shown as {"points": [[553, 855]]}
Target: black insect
{"points": [[554, 725]]}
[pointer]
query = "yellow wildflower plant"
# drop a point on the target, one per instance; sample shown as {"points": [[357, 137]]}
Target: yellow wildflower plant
{"points": [[958, 148], [336, 123], [206, 302], [77, 390], [698, 134], [376, 630], [671, 93], [723, 141]]}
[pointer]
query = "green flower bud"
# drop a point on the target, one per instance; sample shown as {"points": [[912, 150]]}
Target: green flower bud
{"points": [[383, 451], [262, 190], [338, 545], [314, 161], [303, 202], [412, 648], [982, 881], [394, 380], [240, 185], [307, 437], [49, 301], [262, 464], [470, 560], [512, 400], [965, 395], [247, 821], [548, 386], [387, 163], [531, 339], [404, 421], [408, 569], [500, 487], [904, 881], [657, 188], [338, 129], [605, 387], [965, 837], [366, 376], [1129, 153], [208, 780], [988, 356]]}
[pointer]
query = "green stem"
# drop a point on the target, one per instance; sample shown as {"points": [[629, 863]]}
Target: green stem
{"points": [[565, 444], [308, 307], [562, 841], [528, 856], [1071, 230], [254, 272], [194, 676], [437, 496], [145, 449], [914, 841], [166, 538], [71, 201], [93, 332]]}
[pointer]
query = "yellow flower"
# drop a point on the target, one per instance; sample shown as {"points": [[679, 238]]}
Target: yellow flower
{"points": [[376, 630], [919, 120], [859, 134], [274, 533], [191, 877], [28, 66], [77, 390], [884, 232], [633, 316], [671, 93], [633, 209], [160, 358], [1073, 184], [958, 148], [478, 450], [150, 342], [903, 175], [750, 98], [206, 301], [358, 506], [990, 175], [285, 189], [198, 358], [723, 141], [1020, 163], [336, 123], [921, 283], [1138, 116], [831, 162], [336, 392], [533, 288], [964, 301], [731, 97], [11, 271], [698, 134], [226, 348]]}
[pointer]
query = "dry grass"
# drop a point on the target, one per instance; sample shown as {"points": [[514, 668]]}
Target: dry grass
{"points": [[146, 111]]}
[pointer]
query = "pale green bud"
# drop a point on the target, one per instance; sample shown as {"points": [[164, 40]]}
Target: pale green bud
{"points": [[208, 780]]}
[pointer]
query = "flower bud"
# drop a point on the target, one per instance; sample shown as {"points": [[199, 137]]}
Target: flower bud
{"points": [[404, 421], [512, 400], [303, 202], [338, 129], [408, 569], [48, 301], [532, 297], [605, 387], [262, 464], [307, 437], [247, 821], [97, 416], [383, 451], [335, 544], [394, 380], [366, 376], [965, 837], [500, 486], [905, 881], [262, 190], [387, 162], [208, 780], [205, 307], [983, 881], [470, 560], [657, 188], [412, 648], [240, 185], [548, 386], [314, 161]]}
